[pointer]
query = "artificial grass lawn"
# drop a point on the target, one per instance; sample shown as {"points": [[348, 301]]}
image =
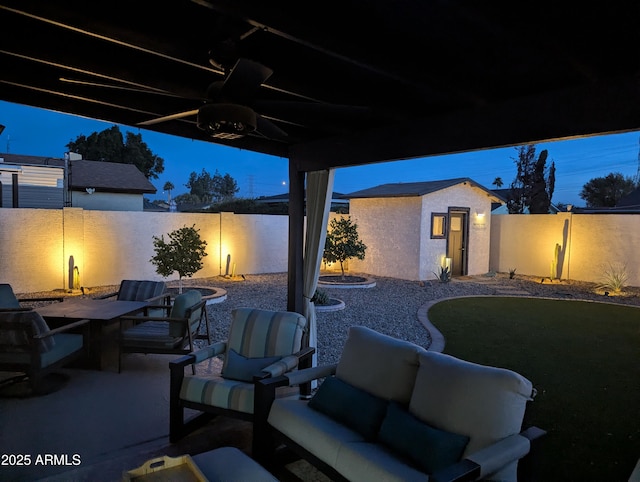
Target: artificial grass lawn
{"points": [[584, 360]]}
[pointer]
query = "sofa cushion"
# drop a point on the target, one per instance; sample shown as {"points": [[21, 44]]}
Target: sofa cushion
{"points": [[485, 403], [16, 341], [150, 334], [263, 333], [383, 366], [181, 304], [351, 406], [367, 461], [135, 290], [429, 448], [313, 430], [218, 392], [66, 344], [242, 368]]}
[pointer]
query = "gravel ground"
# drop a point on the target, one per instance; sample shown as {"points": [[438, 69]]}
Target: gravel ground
{"points": [[390, 307]]}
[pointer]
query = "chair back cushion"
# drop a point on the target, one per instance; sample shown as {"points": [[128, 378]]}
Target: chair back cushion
{"points": [[256, 333], [17, 329], [134, 290], [7, 297], [484, 403], [379, 364], [181, 305]]}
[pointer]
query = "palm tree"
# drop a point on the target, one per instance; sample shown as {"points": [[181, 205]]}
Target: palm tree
{"points": [[168, 186], [497, 182]]}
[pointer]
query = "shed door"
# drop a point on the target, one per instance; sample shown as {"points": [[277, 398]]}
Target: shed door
{"points": [[457, 243]]}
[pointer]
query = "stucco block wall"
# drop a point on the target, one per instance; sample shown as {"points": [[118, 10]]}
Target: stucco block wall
{"points": [[391, 229], [31, 249], [589, 244], [108, 246]]}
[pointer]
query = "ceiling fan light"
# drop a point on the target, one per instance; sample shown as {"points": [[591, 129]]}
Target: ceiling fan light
{"points": [[226, 121]]}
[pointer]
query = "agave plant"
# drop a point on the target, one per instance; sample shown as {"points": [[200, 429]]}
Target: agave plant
{"points": [[445, 274], [615, 278]]}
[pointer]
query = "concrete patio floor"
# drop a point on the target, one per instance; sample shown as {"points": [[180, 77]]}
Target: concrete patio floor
{"points": [[101, 423]]}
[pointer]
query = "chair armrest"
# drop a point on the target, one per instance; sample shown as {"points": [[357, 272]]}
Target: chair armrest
{"points": [[163, 296], [62, 329], [197, 356], [285, 364], [108, 295], [211, 351]]}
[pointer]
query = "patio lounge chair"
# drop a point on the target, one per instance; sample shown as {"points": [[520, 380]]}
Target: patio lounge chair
{"points": [[8, 299], [28, 346], [137, 290], [261, 344], [173, 334]]}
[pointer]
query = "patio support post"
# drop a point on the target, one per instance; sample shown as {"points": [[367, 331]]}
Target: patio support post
{"points": [[295, 283]]}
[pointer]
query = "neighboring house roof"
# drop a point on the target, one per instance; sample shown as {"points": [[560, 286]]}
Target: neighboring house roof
{"points": [[631, 200], [410, 189], [102, 176], [31, 160], [108, 177], [336, 197]]}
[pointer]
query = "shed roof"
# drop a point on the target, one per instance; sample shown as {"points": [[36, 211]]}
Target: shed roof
{"points": [[411, 189]]}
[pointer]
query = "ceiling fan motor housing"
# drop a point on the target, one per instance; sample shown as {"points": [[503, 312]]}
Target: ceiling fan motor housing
{"points": [[226, 121]]}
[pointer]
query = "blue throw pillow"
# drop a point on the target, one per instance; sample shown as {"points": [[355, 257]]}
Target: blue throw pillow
{"points": [[243, 369], [355, 408], [429, 448]]}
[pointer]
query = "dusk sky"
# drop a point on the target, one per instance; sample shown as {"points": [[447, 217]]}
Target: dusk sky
{"points": [[39, 132]]}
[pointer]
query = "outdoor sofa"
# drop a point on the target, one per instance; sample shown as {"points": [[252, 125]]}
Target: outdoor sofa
{"points": [[391, 410]]}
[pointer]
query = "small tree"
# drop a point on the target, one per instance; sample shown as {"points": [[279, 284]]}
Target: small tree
{"points": [[342, 242], [183, 253]]}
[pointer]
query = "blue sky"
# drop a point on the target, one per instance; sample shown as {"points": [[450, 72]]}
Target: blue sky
{"points": [[39, 132]]}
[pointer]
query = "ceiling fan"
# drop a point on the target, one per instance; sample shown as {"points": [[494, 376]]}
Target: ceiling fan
{"points": [[232, 110], [227, 113]]}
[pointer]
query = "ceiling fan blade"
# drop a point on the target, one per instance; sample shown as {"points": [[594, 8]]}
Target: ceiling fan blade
{"points": [[140, 89], [244, 81], [158, 120], [268, 129]]}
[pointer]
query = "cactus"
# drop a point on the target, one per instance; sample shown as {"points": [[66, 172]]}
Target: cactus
{"points": [[554, 263]]}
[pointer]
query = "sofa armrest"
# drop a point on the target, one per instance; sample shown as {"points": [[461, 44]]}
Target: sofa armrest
{"points": [[490, 459], [299, 377]]}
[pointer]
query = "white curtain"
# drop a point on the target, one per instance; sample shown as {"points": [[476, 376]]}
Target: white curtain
{"points": [[319, 194]]}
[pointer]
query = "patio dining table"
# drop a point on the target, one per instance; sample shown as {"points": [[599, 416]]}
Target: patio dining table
{"points": [[103, 327]]}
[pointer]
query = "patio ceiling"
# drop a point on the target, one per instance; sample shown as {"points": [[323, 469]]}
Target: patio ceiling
{"points": [[351, 83]]}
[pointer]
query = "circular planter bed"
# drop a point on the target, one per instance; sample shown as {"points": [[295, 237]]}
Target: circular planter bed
{"points": [[211, 295], [334, 305], [348, 281]]}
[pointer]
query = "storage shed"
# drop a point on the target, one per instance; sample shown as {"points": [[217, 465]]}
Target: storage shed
{"points": [[413, 229]]}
